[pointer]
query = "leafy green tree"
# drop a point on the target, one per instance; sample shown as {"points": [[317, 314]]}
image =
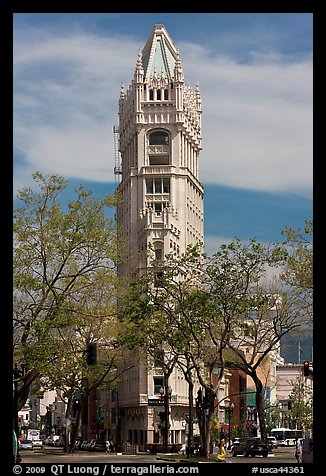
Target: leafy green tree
{"points": [[256, 306], [157, 311], [64, 285], [202, 308], [301, 411], [251, 315], [147, 332], [205, 306], [298, 272]]}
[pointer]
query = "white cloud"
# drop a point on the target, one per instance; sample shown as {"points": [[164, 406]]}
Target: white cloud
{"points": [[81, 151], [257, 122], [257, 117]]}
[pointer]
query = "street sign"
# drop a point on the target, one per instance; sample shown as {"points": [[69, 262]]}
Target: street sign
{"points": [[155, 402]]}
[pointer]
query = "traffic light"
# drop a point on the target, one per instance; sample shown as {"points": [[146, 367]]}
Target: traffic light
{"points": [[91, 354], [306, 370], [205, 401], [289, 405], [75, 407], [164, 420]]}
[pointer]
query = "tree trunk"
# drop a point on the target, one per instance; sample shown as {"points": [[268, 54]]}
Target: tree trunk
{"points": [[166, 410], [260, 407], [190, 439], [208, 423], [73, 433]]}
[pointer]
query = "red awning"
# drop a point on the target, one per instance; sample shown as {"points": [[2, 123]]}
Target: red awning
{"points": [[224, 426]]}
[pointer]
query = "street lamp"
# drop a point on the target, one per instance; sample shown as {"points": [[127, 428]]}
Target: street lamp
{"points": [[251, 419], [166, 395], [229, 411], [170, 393], [161, 391], [280, 407]]}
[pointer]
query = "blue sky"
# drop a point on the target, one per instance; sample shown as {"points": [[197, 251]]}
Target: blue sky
{"points": [[255, 76]]}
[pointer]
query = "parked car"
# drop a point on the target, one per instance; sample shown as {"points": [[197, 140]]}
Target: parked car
{"points": [[97, 445], [250, 447], [37, 444], [83, 445], [78, 443], [272, 442], [57, 440], [89, 444], [26, 445]]}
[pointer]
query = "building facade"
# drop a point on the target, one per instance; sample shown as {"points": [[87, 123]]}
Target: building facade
{"points": [[290, 379], [161, 208]]}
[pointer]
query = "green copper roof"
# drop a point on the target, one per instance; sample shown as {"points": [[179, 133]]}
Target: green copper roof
{"points": [[159, 63], [159, 53]]}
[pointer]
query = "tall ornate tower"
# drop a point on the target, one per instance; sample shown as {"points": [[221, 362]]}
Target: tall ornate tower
{"points": [[159, 138]]}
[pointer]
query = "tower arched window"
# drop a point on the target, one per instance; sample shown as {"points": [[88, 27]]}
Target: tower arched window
{"points": [[159, 148], [159, 138], [166, 94], [151, 95]]}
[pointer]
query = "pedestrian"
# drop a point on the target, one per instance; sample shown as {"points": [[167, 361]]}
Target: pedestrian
{"points": [[221, 451], [298, 450], [183, 449], [15, 447], [109, 446]]}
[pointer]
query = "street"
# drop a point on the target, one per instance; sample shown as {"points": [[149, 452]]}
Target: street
{"points": [[280, 455]]}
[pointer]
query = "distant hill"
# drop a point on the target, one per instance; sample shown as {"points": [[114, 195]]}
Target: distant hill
{"points": [[290, 346]]}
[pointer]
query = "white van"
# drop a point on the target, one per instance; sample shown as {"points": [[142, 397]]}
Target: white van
{"points": [[272, 442], [307, 450]]}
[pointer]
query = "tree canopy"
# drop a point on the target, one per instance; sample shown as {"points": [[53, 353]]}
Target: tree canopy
{"points": [[65, 288]]}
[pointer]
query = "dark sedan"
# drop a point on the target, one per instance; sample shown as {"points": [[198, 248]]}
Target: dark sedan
{"points": [[250, 447], [98, 445]]}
